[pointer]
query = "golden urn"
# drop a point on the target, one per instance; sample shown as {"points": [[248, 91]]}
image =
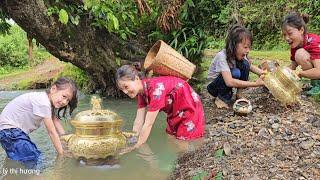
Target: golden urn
{"points": [[97, 133], [284, 85]]}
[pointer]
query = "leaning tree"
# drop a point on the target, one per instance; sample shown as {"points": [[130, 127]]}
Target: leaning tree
{"points": [[93, 35]]}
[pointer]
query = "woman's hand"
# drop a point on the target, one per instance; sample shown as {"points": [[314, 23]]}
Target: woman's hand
{"points": [[67, 153]]}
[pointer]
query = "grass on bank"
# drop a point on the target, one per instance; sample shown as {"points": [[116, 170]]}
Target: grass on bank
{"points": [[12, 71], [69, 70]]}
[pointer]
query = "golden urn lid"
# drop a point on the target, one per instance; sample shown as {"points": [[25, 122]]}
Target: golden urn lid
{"points": [[97, 116]]}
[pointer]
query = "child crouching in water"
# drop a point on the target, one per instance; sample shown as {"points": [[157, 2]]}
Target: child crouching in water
{"points": [[174, 96], [230, 67], [25, 114]]}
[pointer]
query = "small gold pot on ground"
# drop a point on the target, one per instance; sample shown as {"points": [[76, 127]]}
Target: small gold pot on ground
{"points": [[242, 107], [97, 134]]}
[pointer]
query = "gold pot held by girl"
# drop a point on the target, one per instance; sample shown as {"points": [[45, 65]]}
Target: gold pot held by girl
{"points": [[284, 85]]}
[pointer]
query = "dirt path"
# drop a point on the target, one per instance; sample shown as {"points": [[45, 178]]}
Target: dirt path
{"points": [[38, 76], [272, 142]]}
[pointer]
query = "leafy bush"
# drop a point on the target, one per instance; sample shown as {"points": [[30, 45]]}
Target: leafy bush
{"points": [[78, 75], [14, 49], [13, 52]]}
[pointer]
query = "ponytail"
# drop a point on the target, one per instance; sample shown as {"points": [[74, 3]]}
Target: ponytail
{"points": [[296, 20], [129, 72], [305, 18]]}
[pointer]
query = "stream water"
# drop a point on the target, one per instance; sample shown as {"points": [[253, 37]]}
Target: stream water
{"points": [[154, 160]]}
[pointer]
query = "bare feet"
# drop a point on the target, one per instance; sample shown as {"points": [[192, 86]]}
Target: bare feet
{"points": [[220, 104]]}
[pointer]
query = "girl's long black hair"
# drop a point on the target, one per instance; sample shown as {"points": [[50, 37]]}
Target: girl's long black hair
{"points": [[237, 34], [61, 84]]}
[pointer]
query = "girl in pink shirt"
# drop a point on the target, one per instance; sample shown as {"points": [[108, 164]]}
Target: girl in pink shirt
{"points": [[25, 113], [174, 96]]}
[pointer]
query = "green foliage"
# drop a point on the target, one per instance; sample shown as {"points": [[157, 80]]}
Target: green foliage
{"points": [[63, 16], [8, 70], [200, 175], [24, 84], [14, 47], [317, 98], [193, 37], [118, 17], [208, 17], [189, 41], [4, 25], [264, 18], [219, 153], [219, 176], [12, 51], [78, 75]]}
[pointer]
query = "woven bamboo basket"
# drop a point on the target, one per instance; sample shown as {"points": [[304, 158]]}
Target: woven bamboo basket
{"points": [[164, 60], [283, 85]]}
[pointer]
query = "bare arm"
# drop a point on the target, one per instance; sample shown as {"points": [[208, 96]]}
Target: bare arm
{"points": [[58, 125], [53, 135], [138, 122], [231, 82], [313, 73], [146, 128], [293, 65]]}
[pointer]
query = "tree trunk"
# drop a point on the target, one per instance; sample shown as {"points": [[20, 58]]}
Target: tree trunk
{"points": [[88, 48], [30, 50]]}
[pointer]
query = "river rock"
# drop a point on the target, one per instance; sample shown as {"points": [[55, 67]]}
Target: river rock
{"points": [[263, 133], [227, 148], [275, 126], [307, 144], [316, 123]]}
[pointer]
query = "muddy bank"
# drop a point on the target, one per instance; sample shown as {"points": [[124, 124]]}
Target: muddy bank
{"points": [[272, 142], [40, 76]]}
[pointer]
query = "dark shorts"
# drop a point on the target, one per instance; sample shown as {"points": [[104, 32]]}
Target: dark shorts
{"points": [[19, 147]]}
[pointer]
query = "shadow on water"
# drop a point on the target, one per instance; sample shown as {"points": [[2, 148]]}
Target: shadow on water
{"points": [[154, 160]]}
